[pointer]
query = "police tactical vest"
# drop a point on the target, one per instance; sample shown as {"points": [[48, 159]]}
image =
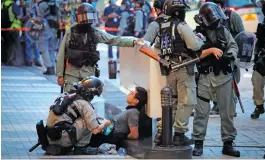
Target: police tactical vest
{"points": [[210, 63], [170, 41], [81, 48]]}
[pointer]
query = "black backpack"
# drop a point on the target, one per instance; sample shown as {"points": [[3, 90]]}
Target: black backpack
{"points": [[6, 23], [145, 124], [131, 22]]}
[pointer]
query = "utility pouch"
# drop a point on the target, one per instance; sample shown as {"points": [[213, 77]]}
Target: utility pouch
{"points": [[71, 130], [54, 133], [190, 69], [164, 70]]}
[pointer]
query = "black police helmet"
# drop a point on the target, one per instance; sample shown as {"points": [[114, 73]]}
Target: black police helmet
{"points": [[89, 87], [216, 1], [211, 13], [159, 4], [172, 6], [85, 14]]}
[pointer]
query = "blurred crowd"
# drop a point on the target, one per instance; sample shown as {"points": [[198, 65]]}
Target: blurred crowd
{"points": [[31, 30]]}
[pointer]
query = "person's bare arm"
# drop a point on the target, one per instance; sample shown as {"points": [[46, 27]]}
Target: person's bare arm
{"points": [[101, 127], [134, 134]]}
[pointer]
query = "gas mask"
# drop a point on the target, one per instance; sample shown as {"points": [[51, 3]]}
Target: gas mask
{"points": [[181, 15], [214, 25], [83, 28]]}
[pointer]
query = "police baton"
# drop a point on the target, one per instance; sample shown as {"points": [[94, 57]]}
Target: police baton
{"points": [[234, 84], [176, 66]]}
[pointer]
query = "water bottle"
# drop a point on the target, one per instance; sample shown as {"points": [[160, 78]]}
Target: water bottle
{"points": [[122, 151]]}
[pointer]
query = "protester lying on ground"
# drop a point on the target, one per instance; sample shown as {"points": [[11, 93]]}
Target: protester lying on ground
{"points": [[129, 124], [72, 120]]}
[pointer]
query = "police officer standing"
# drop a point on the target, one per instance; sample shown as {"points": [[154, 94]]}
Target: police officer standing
{"points": [[215, 78], [48, 43], [182, 47], [76, 124], [235, 26], [258, 75], [79, 47]]}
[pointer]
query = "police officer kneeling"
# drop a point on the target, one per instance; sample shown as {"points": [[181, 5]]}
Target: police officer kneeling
{"points": [[72, 120]]}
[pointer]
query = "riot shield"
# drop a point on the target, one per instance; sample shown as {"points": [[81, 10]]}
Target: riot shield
{"points": [[246, 42]]}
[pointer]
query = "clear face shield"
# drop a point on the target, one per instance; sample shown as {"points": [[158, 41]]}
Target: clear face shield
{"points": [[86, 18], [211, 13]]}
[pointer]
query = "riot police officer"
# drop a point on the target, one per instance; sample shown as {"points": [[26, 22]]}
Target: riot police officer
{"points": [[79, 47], [235, 25], [76, 124], [258, 75], [182, 43], [215, 78]]}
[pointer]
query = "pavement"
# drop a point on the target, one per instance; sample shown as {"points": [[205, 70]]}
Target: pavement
{"points": [[27, 96]]}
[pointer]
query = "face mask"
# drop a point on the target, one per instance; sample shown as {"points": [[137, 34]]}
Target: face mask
{"points": [[123, 7], [133, 5], [27, 3], [18, 3], [94, 4], [113, 1]]}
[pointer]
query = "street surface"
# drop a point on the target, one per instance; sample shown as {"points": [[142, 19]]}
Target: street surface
{"points": [[27, 96]]}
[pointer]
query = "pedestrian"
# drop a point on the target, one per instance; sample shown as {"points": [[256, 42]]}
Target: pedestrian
{"points": [[111, 17], [32, 42], [140, 25], [48, 43]]}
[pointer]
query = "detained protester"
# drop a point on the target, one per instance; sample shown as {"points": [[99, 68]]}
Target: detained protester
{"points": [[130, 124]]}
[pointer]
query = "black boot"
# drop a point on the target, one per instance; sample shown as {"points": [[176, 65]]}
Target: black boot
{"points": [[198, 148], [158, 137], [50, 71], [258, 110], [85, 151], [180, 139], [229, 150]]}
